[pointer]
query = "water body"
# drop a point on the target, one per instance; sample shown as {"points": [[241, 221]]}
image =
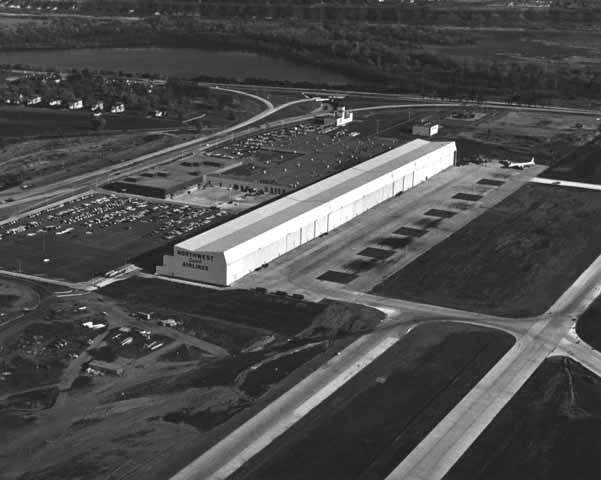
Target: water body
{"points": [[182, 62]]}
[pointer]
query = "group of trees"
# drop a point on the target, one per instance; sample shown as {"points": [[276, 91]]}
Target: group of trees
{"points": [[140, 96], [447, 12], [386, 56]]}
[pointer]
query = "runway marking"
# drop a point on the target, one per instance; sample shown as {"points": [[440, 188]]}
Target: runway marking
{"points": [[565, 183], [262, 422]]}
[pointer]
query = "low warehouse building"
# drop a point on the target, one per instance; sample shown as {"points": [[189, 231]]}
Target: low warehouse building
{"points": [[229, 251]]}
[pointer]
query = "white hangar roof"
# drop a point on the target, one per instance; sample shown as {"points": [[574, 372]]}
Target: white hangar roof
{"points": [[262, 219]]}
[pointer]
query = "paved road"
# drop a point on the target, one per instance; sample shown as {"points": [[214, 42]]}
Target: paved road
{"points": [[264, 101], [433, 457], [565, 183], [233, 451], [449, 440], [413, 98], [47, 193]]}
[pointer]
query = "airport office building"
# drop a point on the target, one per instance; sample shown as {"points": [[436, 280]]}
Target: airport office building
{"points": [[233, 249]]}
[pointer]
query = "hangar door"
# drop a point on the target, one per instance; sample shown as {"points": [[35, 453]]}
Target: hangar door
{"points": [[293, 240]]}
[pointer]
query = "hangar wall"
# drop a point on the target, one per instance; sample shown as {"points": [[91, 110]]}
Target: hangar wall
{"points": [[225, 267]]}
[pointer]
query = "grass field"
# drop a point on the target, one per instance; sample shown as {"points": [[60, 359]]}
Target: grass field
{"points": [[243, 308], [514, 260], [45, 160], [25, 122], [368, 426], [589, 325], [281, 314], [549, 430], [582, 165]]}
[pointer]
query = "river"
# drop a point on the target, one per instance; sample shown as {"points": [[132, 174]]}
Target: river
{"points": [[182, 62]]}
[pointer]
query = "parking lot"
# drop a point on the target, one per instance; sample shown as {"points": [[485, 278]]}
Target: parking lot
{"points": [[297, 155], [93, 234]]}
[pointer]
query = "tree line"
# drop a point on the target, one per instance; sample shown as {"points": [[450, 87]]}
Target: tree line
{"points": [[394, 58]]}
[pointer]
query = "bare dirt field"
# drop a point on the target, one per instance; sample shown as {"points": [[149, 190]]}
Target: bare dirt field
{"points": [[14, 297], [264, 312], [71, 421], [549, 429], [514, 260], [368, 426]]}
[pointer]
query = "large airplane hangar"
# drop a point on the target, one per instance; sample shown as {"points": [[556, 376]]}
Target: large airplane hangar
{"points": [[233, 249]]}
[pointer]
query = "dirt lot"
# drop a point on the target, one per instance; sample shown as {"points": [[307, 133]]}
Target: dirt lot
{"points": [[589, 325], [514, 260], [582, 165], [368, 426], [122, 426], [243, 311], [548, 430], [14, 297], [95, 233]]}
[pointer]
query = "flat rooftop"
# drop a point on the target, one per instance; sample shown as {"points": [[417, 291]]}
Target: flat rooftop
{"points": [[177, 172], [262, 219]]}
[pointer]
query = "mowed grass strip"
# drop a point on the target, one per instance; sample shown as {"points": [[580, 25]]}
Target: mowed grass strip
{"points": [[366, 428], [550, 429], [435, 212], [76, 256], [488, 181], [337, 277], [514, 260], [470, 197]]}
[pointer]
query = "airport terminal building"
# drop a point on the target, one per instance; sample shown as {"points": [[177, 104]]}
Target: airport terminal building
{"points": [[233, 249]]}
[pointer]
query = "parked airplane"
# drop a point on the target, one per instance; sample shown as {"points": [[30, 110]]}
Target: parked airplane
{"points": [[518, 165]]}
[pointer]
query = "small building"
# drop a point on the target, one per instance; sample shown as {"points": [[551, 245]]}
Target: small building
{"points": [[75, 105], [425, 129], [118, 107], [106, 367], [34, 100], [339, 118], [14, 99]]}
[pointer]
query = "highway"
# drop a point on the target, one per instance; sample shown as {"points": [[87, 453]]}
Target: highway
{"points": [[536, 337], [37, 197]]}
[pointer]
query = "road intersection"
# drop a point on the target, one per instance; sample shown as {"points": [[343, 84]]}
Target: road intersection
{"points": [[536, 339]]}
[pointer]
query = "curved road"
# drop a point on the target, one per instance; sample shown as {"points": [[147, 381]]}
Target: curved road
{"points": [[537, 338]]}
